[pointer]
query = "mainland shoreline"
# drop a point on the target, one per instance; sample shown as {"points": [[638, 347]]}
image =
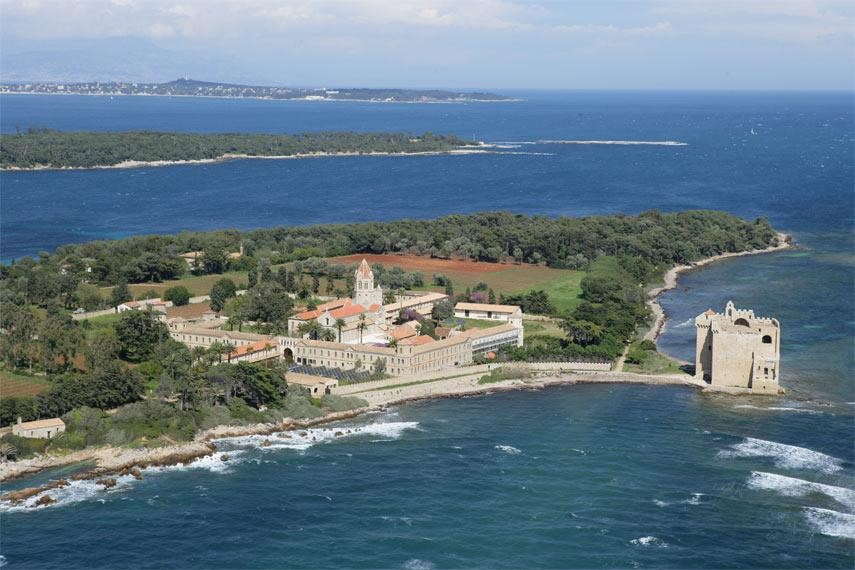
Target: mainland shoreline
{"points": [[110, 461]]}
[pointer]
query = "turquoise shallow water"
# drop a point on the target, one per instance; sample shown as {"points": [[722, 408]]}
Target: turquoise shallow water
{"points": [[587, 476]]}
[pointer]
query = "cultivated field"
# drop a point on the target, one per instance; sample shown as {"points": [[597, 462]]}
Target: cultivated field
{"points": [[12, 384], [561, 285]]}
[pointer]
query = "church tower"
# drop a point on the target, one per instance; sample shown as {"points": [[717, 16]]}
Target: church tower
{"points": [[366, 294]]}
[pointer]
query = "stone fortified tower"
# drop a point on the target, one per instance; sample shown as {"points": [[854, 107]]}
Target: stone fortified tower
{"points": [[737, 349], [366, 294]]}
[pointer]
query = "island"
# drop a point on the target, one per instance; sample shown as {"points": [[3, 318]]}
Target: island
{"points": [[45, 148], [146, 350], [192, 88]]}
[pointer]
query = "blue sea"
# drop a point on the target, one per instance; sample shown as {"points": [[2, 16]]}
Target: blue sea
{"points": [[582, 476]]}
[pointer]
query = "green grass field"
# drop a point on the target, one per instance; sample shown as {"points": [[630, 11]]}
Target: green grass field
{"points": [[542, 328], [196, 284], [655, 363], [564, 290]]}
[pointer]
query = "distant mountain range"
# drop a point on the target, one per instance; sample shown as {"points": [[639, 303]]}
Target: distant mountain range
{"points": [[193, 88]]}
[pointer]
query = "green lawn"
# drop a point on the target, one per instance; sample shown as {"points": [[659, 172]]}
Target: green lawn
{"points": [[564, 290], [655, 363], [543, 328], [196, 284]]}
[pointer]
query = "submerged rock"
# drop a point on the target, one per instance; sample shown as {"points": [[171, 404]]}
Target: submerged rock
{"points": [[224, 457], [135, 471], [45, 500], [266, 443]]}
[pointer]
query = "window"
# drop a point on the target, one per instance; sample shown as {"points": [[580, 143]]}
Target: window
{"points": [[765, 371], [767, 339]]}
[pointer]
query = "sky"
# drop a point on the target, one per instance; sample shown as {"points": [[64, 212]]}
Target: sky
{"points": [[462, 44]]}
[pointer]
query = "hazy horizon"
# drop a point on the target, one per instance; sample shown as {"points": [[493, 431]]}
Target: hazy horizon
{"points": [[658, 45]]}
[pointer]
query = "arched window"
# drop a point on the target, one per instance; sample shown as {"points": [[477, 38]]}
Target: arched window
{"points": [[767, 339], [741, 322]]}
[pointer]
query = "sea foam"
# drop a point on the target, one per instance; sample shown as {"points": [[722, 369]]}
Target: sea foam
{"points": [[301, 440], [85, 489], [785, 456], [792, 487], [831, 523], [778, 409], [649, 541]]}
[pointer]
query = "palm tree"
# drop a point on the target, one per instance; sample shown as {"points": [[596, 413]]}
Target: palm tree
{"points": [[361, 326], [339, 324], [310, 328], [328, 335], [8, 451]]}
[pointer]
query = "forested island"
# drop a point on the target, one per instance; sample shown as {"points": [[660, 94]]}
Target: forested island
{"points": [[194, 88], [46, 148]]}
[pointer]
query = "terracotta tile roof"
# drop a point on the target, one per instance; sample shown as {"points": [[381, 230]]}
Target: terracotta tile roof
{"points": [[404, 331], [308, 315], [322, 308], [486, 307], [347, 311], [189, 311], [418, 340], [41, 424], [709, 312], [245, 349]]}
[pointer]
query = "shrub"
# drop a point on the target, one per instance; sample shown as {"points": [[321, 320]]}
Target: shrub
{"points": [[26, 446], [648, 345], [179, 295], [341, 403]]}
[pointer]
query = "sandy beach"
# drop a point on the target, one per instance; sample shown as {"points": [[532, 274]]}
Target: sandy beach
{"points": [[670, 282]]}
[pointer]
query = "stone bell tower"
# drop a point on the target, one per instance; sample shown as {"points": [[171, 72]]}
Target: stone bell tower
{"points": [[365, 293]]}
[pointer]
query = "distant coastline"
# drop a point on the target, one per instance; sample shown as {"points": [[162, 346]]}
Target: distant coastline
{"points": [[194, 88]]}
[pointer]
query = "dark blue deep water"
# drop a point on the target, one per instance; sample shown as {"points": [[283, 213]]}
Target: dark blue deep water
{"points": [[589, 476]]}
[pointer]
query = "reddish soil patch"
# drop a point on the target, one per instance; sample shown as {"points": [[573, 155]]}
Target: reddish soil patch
{"points": [[425, 264]]}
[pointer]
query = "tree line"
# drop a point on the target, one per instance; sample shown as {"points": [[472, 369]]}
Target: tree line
{"points": [[86, 149]]}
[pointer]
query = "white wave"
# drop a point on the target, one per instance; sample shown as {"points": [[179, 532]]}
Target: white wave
{"points": [[417, 564], [304, 439], [785, 456], [74, 492], [661, 504], [609, 142], [649, 541], [778, 409], [3, 561], [508, 449], [684, 324], [527, 153], [792, 487], [604, 142], [84, 489], [831, 523], [695, 499]]}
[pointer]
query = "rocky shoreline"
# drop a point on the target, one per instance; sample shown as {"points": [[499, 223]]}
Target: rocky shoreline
{"points": [[111, 462]]}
